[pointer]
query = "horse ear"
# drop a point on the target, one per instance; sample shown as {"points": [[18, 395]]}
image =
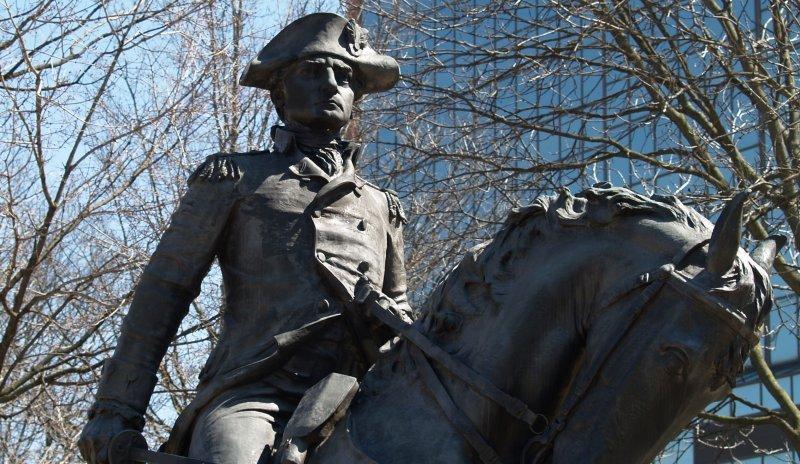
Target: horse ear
{"points": [[767, 249], [726, 236]]}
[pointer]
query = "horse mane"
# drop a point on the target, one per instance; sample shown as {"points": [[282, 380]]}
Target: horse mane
{"points": [[604, 204], [463, 288], [479, 281]]}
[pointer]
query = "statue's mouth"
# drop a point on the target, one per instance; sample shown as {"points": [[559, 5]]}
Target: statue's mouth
{"points": [[331, 104]]}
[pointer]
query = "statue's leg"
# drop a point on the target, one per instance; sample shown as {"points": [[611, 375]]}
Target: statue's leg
{"points": [[240, 430]]}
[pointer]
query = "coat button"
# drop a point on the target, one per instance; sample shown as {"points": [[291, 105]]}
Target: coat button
{"points": [[363, 267], [361, 225], [321, 256], [324, 305], [316, 213]]}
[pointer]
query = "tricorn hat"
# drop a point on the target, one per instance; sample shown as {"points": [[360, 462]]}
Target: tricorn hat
{"points": [[323, 34]]}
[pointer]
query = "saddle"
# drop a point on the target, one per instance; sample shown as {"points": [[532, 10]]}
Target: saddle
{"points": [[321, 407]]}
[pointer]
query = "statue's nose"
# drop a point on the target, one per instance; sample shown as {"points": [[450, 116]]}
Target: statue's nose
{"points": [[329, 80]]}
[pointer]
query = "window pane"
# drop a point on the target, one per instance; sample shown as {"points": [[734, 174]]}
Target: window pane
{"points": [[780, 458], [749, 393], [769, 401], [784, 346], [679, 451]]}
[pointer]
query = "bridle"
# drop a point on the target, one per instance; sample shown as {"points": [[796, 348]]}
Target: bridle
{"points": [[544, 431], [650, 283]]}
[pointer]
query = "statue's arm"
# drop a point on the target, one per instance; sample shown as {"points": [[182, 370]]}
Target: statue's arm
{"points": [[394, 282], [167, 286]]}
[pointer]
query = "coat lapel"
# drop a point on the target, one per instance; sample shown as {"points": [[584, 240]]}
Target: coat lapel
{"points": [[307, 168]]}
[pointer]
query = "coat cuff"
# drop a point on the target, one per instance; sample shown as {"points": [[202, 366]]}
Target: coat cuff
{"points": [[126, 384], [131, 417]]}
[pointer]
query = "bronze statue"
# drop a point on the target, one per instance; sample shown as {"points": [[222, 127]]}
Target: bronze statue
{"points": [[293, 229], [591, 329]]}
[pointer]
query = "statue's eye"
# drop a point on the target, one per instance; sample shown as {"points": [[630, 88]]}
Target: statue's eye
{"points": [[309, 70], [344, 75], [675, 360]]}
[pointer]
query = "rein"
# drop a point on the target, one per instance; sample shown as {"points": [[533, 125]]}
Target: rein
{"points": [[654, 282], [537, 423], [545, 432]]}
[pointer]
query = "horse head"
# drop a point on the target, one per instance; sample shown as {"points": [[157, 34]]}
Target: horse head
{"points": [[660, 353]]}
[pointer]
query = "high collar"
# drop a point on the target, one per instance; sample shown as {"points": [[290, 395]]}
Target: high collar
{"points": [[313, 139], [287, 142]]}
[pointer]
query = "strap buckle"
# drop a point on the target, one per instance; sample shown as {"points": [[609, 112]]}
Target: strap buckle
{"points": [[540, 425]]}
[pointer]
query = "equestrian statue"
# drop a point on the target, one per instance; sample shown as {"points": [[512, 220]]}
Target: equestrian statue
{"points": [[591, 329]]}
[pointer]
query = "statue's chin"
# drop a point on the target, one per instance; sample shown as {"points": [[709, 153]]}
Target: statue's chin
{"points": [[324, 124], [330, 124]]}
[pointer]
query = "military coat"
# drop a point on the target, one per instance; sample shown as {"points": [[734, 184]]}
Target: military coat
{"points": [[291, 244]]}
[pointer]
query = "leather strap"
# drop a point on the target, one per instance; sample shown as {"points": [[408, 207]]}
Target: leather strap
{"points": [[454, 414], [714, 306], [537, 423], [654, 282], [582, 387]]}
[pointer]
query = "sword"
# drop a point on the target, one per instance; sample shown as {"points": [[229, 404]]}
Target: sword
{"points": [[130, 447]]}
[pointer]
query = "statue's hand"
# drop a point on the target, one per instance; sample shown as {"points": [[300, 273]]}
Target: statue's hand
{"points": [[97, 434], [292, 451], [366, 295], [365, 291]]}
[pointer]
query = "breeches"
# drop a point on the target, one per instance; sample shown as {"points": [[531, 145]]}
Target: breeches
{"points": [[242, 427]]}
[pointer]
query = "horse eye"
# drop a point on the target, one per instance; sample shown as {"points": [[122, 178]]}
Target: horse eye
{"points": [[676, 361]]}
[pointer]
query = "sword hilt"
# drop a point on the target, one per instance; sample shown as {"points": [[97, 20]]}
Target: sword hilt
{"points": [[130, 447], [119, 450]]}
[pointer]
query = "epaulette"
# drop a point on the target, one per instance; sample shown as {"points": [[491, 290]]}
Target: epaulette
{"points": [[217, 168], [396, 212]]}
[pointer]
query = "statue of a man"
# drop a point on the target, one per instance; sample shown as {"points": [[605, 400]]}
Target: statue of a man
{"points": [[293, 229]]}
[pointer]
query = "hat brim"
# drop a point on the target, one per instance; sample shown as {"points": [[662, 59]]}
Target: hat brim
{"points": [[322, 34], [377, 74]]}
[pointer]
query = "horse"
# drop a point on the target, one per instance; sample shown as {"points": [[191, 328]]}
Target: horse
{"points": [[608, 319]]}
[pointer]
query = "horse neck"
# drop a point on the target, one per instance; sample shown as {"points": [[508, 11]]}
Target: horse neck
{"points": [[521, 327], [529, 341]]}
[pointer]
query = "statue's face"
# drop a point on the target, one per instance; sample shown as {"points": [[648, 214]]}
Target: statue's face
{"points": [[317, 93]]}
